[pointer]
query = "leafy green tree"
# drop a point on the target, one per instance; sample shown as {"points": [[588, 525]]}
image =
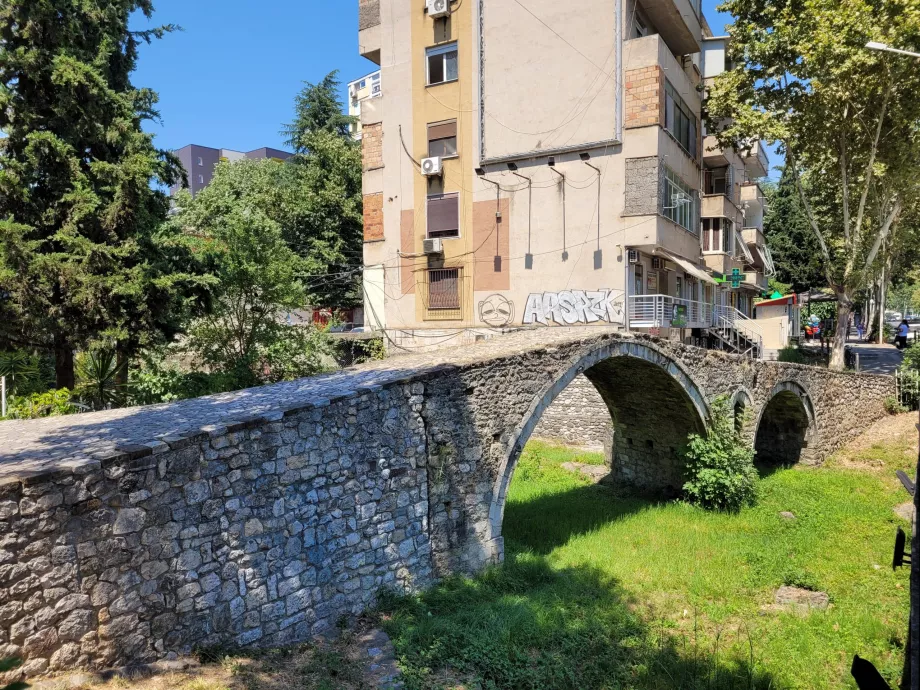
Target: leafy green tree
{"points": [[244, 335], [846, 118], [80, 199], [315, 205], [795, 248], [903, 297], [317, 109]]}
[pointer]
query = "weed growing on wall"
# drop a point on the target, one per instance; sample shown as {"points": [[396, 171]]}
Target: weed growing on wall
{"points": [[720, 465]]}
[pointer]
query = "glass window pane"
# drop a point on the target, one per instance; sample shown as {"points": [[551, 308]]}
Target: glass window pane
{"points": [[442, 148], [451, 64], [435, 69]]}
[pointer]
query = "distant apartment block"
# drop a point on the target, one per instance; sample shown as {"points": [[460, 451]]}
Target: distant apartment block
{"points": [[199, 162], [359, 91]]}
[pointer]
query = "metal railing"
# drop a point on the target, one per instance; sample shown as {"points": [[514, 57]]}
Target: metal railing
{"points": [[742, 328], [907, 383], [664, 311]]}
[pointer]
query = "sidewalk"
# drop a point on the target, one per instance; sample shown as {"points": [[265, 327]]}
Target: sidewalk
{"points": [[875, 358]]}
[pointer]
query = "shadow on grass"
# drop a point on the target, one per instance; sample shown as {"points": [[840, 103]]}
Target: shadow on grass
{"points": [[545, 522], [526, 625]]}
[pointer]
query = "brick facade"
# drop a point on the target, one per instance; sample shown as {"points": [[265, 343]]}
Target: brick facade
{"points": [[373, 217], [372, 146], [643, 97], [368, 14]]}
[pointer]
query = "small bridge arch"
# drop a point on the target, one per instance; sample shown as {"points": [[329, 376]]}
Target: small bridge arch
{"points": [[613, 368], [786, 431]]}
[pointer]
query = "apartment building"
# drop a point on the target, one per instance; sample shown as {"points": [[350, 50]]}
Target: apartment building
{"points": [[529, 164], [200, 161], [360, 90]]}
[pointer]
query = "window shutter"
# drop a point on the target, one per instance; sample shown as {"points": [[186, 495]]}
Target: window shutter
{"points": [[442, 130], [444, 215]]}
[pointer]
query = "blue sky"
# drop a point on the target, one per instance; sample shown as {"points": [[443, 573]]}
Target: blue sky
{"points": [[228, 80]]}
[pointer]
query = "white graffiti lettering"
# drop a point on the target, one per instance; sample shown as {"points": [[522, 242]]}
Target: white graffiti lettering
{"points": [[569, 307]]}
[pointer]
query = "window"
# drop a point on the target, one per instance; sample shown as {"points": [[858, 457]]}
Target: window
{"points": [[444, 288], [201, 179], [442, 64], [640, 28], [638, 282], [718, 181], [444, 215], [442, 139], [679, 202], [718, 235], [679, 120]]}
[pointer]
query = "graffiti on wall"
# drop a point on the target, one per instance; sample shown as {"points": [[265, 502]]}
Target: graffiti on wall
{"points": [[570, 307], [496, 311]]}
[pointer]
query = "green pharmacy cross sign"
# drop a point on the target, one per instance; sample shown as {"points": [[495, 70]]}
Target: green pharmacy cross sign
{"points": [[736, 278]]}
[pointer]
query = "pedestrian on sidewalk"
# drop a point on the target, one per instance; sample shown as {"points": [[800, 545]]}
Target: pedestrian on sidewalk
{"points": [[900, 340], [860, 329]]}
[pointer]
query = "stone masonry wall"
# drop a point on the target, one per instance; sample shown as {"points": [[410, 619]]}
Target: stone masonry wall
{"points": [[578, 416], [642, 186], [368, 14], [264, 532], [260, 517]]}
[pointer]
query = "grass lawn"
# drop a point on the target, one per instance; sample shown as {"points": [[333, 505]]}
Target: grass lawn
{"points": [[606, 591]]}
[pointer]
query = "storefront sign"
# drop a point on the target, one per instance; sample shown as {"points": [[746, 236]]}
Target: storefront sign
{"points": [[570, 307], [679, 316]]}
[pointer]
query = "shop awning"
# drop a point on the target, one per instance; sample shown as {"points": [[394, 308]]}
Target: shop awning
{"points": [[695, 271]]}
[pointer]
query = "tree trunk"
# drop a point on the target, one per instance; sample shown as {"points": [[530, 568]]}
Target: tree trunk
{"points": [[838, 347], [63, 363], [883, 283], [121, 362]]}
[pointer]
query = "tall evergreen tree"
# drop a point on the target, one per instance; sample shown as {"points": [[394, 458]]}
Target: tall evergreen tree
{"points": [[81, 257], [317, 109], [794, 246]]}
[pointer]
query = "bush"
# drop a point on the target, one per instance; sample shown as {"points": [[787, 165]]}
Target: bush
{"points": [[48, 404], [720, 465], [792, 355], [894, 406]]}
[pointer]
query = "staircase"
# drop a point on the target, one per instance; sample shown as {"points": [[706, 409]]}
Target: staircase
{"points": [[737, 332]]}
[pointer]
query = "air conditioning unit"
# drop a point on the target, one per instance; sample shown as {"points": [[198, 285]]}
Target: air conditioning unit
{"points": [[633, 256], [433, 246], [438, 8], [431, 166]]}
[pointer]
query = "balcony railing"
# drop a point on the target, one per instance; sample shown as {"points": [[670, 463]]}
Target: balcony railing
{"points": [[664, 311]]}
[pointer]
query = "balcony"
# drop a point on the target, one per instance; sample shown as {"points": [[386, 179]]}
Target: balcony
{"points": [[718, 206], [753, 198], [713, 154], [678, 23], [723, 263], [756, 278], [664, 311], [756, 162], [369, 30], [753, 236]]}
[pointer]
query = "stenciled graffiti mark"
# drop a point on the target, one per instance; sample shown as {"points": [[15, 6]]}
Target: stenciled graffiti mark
{"points": [[575, 306], [496, 311]]}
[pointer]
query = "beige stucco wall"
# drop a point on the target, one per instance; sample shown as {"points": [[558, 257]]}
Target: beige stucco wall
{"points": [[545, 88]]}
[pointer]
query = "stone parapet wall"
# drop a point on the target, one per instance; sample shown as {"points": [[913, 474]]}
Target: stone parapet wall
{"points": [[578, 416], [261, 532]]}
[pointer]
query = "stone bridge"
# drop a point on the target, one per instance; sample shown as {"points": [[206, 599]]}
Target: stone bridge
{"points": [[263, 516]]}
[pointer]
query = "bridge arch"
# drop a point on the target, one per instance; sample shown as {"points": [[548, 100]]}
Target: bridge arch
{"points": [[613, 368], [786, 431], [741, 402]]}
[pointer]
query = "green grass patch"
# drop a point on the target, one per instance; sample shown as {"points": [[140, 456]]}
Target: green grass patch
{"points": [[601, 590]]}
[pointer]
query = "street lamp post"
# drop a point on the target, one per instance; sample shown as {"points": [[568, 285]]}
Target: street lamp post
{"points": [[875, 45], [912, 665]]}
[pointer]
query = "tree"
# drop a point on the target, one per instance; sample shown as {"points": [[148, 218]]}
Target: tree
{"points": [[794, 247], [317, 109], [244, 333], [316, 206], [846, 118], [81, 258]]}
